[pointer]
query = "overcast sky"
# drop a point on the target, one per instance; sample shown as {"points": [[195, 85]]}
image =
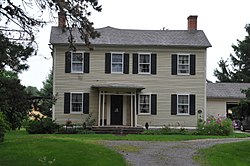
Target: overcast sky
{"points": [[223, 22]]}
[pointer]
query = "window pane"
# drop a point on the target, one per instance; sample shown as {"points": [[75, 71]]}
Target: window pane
{"points": [[77, 67], [77, 98], [144, 68], [116, 57], [183, 99], [183, 109], [144, 58], [116, 67], [183, 59], [77, 57], [76, 107]]}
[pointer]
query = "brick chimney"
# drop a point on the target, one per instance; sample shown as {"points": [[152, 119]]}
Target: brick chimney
{"points": [[192, 23], [61, 19]]}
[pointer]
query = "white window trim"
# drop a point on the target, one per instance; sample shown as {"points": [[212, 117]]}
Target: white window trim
{"points": [[139, 104], [82, 62], [139, 72], [178, 64], [188, 113], [122, 53], [71, 93]]}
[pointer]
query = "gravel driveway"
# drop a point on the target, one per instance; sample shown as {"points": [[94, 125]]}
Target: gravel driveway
{"points": [[144, 153]]}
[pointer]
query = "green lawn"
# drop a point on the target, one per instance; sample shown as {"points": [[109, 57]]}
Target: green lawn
{"points": [[232, 154], [20, 148]]}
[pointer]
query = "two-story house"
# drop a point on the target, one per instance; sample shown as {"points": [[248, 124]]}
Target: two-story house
{"points": [[131, 77]]}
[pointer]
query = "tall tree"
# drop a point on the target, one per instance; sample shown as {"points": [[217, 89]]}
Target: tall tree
{"points": [[239, 69], [14, 101], [47, 98], [13, 55], [77, 14]]}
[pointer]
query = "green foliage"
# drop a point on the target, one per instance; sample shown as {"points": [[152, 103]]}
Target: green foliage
{"points": [[41, 126], [15, 103], [165, 131], [89, 121], [20, 15], [4, 126], [239, 63], [215, 126], [13, 55], [45, 104]]}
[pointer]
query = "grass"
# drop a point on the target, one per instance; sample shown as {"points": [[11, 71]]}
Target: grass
{"points": [[232, 154], [20, 148]]}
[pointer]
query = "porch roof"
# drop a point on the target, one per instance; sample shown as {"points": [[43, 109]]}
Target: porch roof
{"points": [[119, 86]]}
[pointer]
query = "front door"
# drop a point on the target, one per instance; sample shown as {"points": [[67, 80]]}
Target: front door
{"points": [[116, 109]]}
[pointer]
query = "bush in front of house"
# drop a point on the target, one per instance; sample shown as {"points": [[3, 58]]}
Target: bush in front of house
{"points": [[41, 126], [215, 126], [4, 126], [165, 131]]}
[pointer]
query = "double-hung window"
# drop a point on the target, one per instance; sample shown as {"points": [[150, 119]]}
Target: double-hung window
{"points": [[144, 63], [183, 64], [183, 105], [76, 102], [144, 104], [117, 63], [77, 62]]}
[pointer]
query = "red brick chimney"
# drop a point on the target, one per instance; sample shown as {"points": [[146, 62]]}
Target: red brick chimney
{"points": [[61, 19], [192, 23], [61, 14]]}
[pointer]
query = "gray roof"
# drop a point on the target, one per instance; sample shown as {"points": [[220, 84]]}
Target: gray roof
{"points": [[113, 36], [118, 86], [226, 90]]}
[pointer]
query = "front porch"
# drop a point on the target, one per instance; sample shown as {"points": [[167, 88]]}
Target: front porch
{"points": [[117, 105], [121, 130]]}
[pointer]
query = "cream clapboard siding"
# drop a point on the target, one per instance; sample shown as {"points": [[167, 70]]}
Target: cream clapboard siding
{"points": [[218, 106], [163, 84]]}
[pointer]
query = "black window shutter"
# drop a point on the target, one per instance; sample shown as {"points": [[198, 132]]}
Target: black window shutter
{"points": [[126, 63], [107, 62], [173, 104], [66, 103], [192, 64], [174, 64], [86, 62], [153, 64], [135, 63], [153, 104], [192, 104], [86, 103], [67, 62]]}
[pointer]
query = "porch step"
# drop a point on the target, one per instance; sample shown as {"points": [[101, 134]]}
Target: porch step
{"points": [[117, 130]]}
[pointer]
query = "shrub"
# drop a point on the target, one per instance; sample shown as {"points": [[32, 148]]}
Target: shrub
{"points": [[4, 126], [215, 126], [165, 131], [41, 126]]}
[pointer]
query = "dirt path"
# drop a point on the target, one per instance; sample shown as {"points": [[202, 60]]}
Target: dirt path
{"points": [[144, 153]]}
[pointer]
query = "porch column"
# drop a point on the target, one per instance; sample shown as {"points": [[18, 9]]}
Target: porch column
{"points": [[103, 103], [99, 109], [131, 109], [135, 109]]}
